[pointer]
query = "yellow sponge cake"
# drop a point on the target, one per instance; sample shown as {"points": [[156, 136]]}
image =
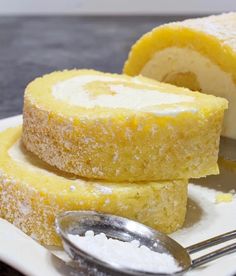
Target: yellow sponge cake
{"points": [[118, 128], [33, 193], [197, 53]]}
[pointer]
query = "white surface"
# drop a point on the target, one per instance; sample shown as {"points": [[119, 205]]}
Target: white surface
{"points": [[110, 7], [210, 76], [204, 219], [75, 92], [23, 253]]}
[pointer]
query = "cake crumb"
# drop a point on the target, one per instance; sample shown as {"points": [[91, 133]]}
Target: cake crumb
{"points": [[224, 197]]}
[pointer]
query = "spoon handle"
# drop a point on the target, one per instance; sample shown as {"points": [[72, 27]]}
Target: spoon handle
{"points": [[214, 255], [211, 242]]}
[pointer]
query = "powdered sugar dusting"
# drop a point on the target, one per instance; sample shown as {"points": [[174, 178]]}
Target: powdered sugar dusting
{"points": [[24, 208], [103, 189], [131, 255]]}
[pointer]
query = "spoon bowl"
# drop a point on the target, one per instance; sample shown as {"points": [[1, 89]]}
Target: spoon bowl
{"points": [[78, 222]]}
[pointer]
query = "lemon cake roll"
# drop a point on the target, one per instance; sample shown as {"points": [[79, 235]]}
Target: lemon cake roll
{"points": [[199, 54], [119, 128], [32, 193]]}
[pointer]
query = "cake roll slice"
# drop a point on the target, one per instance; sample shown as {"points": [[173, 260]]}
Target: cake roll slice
{"points": [[119, 128], [199, 54], [32, 193]]}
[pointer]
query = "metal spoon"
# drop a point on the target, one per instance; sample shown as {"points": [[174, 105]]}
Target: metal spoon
{"points": [[78, 222]]}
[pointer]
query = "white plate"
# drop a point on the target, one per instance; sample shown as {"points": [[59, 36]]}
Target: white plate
{"points": [[204, 219]]}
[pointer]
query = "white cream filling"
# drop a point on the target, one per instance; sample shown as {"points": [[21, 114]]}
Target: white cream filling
{"points": [[211, 78], [17, 154], [74, 92]]}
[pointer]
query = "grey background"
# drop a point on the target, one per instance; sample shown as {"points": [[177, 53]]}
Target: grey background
{"points": [[33, 46], [120, 7]]}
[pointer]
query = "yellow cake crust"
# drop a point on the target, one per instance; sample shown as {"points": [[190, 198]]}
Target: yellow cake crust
{"points": [[30, 198], [120, 144], [212, 38]]}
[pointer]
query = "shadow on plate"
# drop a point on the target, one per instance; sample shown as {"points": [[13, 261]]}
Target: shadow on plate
{"points": [[224, 182], [194, 213]]}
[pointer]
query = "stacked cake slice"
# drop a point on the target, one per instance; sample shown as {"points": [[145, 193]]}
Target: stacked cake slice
{"points": [[119, 128], [110, 143]]}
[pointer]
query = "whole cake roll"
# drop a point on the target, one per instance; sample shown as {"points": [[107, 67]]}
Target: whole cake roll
{"points": [[32, 193], [118, 128], [197, 53]]}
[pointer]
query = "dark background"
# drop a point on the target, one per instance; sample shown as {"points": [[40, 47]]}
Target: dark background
{"points": [[33, 46]]}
